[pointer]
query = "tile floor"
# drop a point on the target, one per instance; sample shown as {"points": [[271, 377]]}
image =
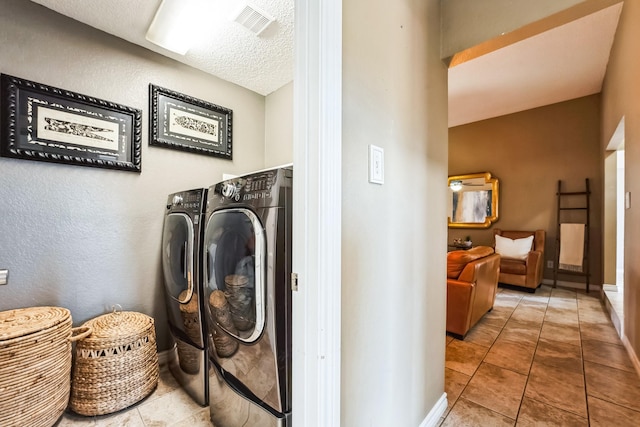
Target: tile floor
{"points": [[552, 358], [167, 406]]}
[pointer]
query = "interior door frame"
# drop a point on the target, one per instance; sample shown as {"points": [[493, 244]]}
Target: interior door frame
{"points": [[317, 158]]}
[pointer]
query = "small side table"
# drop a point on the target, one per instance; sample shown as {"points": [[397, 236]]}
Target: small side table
{"points": [[454, 247]]}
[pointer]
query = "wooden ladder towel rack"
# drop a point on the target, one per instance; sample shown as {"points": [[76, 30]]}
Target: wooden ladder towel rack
{"points": [[581, 206]]}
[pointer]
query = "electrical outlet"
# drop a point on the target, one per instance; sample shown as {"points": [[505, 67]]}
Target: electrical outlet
{"points": [[549, 264]]}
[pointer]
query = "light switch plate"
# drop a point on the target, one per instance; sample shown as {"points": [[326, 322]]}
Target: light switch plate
{"points": [[627, 200], [376, 164], [4, 277]]}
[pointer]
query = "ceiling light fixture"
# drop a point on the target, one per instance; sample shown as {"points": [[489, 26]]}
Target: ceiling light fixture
{"points": [[175, 26], [455, 185]]}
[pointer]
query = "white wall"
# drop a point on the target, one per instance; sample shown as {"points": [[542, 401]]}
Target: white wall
{"points": [[86, 238], [394, 235], [279, 127], [620, 207]]}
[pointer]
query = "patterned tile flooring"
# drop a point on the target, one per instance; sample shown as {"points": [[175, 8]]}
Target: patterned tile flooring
{"points": [[551, 358], [167, 406]]}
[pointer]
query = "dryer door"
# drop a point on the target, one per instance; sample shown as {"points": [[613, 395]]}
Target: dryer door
{"points": [[234, 244], [177, 256]]}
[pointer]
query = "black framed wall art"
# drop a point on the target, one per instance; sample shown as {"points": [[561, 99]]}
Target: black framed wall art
{"points": [[186, 123], [41, 122]]}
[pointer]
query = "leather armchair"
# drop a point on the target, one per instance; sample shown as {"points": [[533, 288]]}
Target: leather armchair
{"points": [[472, 283], [524, 273]]}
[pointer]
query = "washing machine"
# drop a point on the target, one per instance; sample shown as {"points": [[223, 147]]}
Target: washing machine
{"points": [[184, 296], [247, 276]]}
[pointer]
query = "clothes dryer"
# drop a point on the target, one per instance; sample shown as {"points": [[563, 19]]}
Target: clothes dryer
{"points": [[181, 258], [247, 275]]}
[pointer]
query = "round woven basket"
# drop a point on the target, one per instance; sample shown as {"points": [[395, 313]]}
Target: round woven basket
{"points": [[116, 366], [35, 365]]}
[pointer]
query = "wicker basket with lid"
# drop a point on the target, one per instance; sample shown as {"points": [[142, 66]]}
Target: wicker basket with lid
{"points": [[35, 365], [116, 366]]}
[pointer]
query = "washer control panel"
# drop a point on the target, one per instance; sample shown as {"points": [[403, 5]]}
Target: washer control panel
{"points": [[186, 200]]}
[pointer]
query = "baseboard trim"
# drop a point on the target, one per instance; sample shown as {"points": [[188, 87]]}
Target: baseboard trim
{"points": [[616, 319], [632, 354], [434, 415], [572, 285], [165, 356]]}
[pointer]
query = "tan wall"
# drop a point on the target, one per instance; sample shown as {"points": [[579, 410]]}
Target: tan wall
{"points": [[466, 23], [529, 152], [393, 253], [621, 98], [278, 141]]}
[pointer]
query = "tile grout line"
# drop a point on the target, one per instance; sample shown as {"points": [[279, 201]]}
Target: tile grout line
{"points": [[583, 312], [476, 370], [483, 361], [611, 401], [533, 358], [584, 372]]}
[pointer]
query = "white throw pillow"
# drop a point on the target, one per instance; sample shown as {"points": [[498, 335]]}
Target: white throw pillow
{"points": [[514, 248]]}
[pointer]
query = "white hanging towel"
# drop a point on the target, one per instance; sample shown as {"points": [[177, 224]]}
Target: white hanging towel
{"points": [[571, 247]]}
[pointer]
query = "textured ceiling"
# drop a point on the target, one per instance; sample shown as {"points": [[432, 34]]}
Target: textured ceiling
{"points": [[564, 63], [224, 49]]}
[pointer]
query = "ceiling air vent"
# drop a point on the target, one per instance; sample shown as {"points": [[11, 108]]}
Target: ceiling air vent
{"points": [[253, 19]]}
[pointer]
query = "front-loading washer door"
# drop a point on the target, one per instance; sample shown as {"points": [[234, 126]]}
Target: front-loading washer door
{"points": [[235, 244], [177, 257]]}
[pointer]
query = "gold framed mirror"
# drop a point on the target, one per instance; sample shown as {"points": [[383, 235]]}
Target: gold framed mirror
{"points": [[473, 200]]}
